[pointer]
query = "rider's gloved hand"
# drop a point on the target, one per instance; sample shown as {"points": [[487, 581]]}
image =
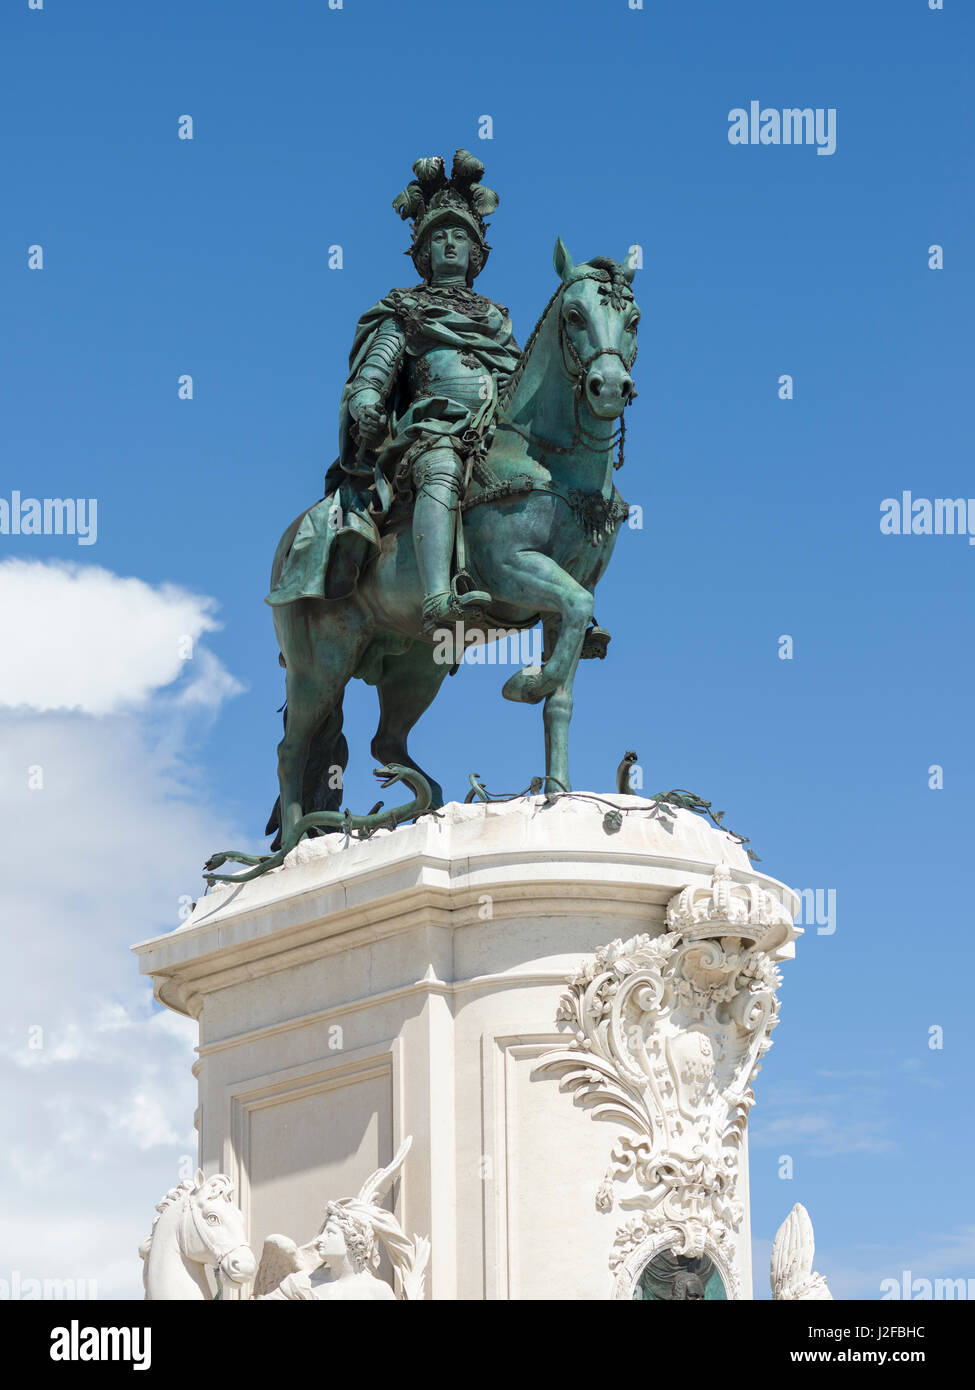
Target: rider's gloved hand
{"points": [[372, 424], [367, 408]]}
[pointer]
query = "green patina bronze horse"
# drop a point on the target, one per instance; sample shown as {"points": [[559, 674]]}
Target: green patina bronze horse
{"points": [[540, 520], [539, 526]]}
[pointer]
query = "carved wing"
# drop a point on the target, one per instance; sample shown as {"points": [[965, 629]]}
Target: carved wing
{"points": [[793, 1252], [279, 1258]]}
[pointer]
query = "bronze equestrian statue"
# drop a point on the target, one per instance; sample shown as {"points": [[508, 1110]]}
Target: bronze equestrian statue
{"points": [[474, 485]]}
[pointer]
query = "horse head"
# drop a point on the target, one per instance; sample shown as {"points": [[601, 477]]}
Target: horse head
{"points": [[212, 1229], [196, 1225], [598, 317]]}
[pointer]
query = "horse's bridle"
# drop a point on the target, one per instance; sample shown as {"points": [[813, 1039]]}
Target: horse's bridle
{"points": [[200, 1227], [576, 373], [575, 368]]}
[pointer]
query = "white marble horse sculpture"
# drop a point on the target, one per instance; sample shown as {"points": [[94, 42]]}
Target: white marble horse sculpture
{"points": [[340, 1262], [197, 1225], [792, 1260]]}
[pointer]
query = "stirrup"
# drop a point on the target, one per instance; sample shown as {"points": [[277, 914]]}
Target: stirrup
{"points": [[595, 642], [450, 605]]}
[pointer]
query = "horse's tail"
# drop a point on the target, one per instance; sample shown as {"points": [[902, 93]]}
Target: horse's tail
{"points": [[328, 757]]}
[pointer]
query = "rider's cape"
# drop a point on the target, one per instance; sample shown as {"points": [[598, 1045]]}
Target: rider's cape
{"points": [[324, 551]]}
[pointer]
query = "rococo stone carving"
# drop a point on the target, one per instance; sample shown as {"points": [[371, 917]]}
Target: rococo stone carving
{"points": [[668, 1033]]}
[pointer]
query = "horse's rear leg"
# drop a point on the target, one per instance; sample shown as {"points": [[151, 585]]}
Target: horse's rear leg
{"points": [[311, 697], [321, 657], [407, 686]]}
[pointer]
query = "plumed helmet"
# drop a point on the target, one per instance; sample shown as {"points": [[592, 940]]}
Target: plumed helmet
{"points": [[433, 199]]}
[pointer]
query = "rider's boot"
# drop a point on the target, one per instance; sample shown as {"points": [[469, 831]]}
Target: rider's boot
{"points": [[434, 528]]}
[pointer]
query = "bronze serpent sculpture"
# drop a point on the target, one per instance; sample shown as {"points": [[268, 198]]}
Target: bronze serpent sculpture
{"points": [[364, 826], [360, 826], [677, 798]]}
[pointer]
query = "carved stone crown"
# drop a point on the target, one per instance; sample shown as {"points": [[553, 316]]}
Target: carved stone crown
{"points": [[727, 908]]}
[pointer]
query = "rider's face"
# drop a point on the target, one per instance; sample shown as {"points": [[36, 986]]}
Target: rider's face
{"points": [[450, 252]]}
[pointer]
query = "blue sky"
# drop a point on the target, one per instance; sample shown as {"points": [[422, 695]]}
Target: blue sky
{"points": [[761, 516]]}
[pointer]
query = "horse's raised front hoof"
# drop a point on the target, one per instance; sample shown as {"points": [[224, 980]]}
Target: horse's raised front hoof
{"points": [[527, 686]]}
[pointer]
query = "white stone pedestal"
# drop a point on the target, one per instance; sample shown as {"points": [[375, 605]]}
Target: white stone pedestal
{"points": [[411, 984]]}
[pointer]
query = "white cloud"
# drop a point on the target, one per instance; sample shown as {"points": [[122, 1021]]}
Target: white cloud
{"points": [[822, 1124], [79, 637], [146, 1122], [824, 1133], [210, 683], [98, 1118]]}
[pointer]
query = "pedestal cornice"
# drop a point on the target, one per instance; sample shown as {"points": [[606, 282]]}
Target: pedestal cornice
{"points": [[334, 893]]}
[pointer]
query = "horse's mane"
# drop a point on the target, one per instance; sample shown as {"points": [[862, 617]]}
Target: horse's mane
{"points": [[175, 1194], [512, 383]]}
